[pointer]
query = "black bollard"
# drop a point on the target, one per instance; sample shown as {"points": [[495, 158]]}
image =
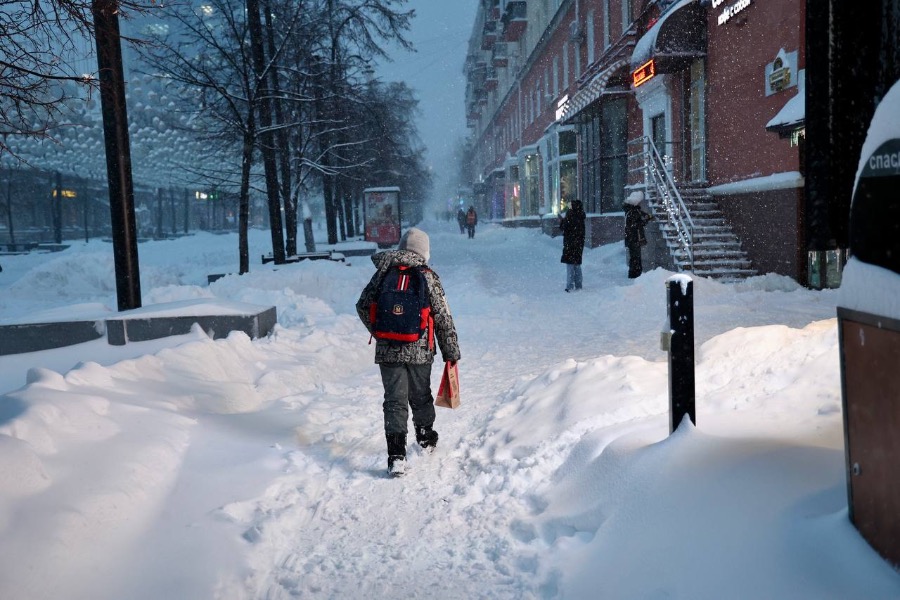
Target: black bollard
{"points": [[680, 294]]}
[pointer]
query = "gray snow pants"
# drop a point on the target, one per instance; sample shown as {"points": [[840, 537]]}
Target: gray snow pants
{"points": [[406, 386]]}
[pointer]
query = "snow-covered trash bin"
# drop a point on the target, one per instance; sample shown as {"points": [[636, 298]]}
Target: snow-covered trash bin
{"points": [[869, 336]]}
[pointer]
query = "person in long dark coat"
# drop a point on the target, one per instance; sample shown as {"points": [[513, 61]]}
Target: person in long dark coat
{"points": [[572, 227], [471, 221], [635, 239]]}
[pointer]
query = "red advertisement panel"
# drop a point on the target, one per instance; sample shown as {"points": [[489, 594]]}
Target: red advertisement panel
{"points": [[382, 212]]}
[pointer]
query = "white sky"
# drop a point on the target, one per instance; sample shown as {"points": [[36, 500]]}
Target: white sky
{"points": [[440, 33], [238, 469]]}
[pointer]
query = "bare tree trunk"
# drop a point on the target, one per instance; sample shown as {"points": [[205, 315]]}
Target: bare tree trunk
{"points": [[283, 150], [348, 211], [328, 194], [9, 216], [266, 138], [339, 203], [244, 202]]}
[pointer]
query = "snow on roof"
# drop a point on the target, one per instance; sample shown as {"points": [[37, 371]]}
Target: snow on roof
{"points": [[793, 112]]}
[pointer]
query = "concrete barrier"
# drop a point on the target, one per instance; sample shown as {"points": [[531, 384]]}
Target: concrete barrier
{"points": [[217, 318]]}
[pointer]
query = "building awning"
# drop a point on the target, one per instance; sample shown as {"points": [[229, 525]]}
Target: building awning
{"points": [[592, 91], [677, 38]]}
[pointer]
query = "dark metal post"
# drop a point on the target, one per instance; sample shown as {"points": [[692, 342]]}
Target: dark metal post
{"points": [[9, 215], [84, 211], [680, 294], [57, 210], [172, 212], [187, 210], [159, 213], [118, 152]]}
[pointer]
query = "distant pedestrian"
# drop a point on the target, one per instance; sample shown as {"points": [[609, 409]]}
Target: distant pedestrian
{"points": [[572, 227], [406, 365], [471, 221], [461, 219], [635, 238]]}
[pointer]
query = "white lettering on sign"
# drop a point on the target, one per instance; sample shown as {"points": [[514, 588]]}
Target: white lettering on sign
{"points": [[884, 161], [730, 11], [716, 3], [561, 106]]}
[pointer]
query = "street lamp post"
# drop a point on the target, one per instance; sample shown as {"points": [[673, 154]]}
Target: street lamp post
{"points": [[118, 152]]}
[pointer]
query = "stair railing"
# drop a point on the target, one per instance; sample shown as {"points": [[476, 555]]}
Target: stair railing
{"points": [[658, 177]]}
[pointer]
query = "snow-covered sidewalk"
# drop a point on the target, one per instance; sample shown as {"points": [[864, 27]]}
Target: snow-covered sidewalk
{"points": [[192, 468]]}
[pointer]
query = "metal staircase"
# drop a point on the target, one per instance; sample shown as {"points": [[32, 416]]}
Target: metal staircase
{"points": [[699, 239]]}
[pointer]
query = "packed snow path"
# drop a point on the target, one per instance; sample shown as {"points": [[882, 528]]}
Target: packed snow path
{"points": [[256, 469]]}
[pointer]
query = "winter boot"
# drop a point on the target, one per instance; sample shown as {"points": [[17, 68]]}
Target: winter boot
{"points": [[396, 447], [427, 438]]}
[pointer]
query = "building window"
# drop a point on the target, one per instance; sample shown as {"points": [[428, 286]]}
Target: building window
{"points": [[565, 66], [626, 15], [513, 204], [531, 185], [577, 61], [590, 38], [605, 159], [555, 76], [562, 169], [607, 34]]}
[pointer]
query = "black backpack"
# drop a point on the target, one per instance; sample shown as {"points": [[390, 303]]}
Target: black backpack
{"points": [[402, 312]]}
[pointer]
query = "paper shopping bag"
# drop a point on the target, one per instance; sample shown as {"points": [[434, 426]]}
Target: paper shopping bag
{"points": [[448, 391]]}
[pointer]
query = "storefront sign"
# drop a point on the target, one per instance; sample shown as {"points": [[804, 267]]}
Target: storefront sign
{"points": [[731, 10], [644, 73], [781, 73]]}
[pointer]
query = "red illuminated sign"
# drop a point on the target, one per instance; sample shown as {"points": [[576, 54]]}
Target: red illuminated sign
{"points": [[643, 73]]}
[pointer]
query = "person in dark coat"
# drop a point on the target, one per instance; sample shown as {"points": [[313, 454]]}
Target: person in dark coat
{"points": [[471, 221], [406, 367], [461, 219], [572, 227], [635, 239]]}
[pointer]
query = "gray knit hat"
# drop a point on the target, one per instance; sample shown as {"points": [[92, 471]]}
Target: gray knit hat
{"points": [[416, 241]]}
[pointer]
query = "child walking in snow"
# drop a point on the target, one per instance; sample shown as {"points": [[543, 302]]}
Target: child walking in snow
{"points": [[406, 366]]}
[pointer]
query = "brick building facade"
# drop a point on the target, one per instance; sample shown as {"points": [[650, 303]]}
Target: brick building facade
{"points": [[564, 96]]}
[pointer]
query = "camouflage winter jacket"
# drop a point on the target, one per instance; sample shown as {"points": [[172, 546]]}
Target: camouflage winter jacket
{"points": [[417, 353]]}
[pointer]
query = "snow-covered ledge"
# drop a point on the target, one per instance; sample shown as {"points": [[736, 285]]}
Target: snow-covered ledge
{"points": [[776, 181], [217, 318], [85, 323]]}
